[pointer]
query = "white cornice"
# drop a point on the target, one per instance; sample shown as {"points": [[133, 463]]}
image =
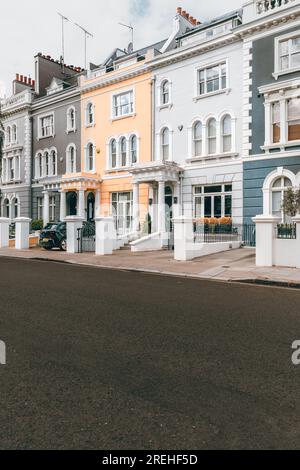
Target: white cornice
{"points": [[286, 84], [188, 51], [115, 78], [53, 99], [266, 22]]}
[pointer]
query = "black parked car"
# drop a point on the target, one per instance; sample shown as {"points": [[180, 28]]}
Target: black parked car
{"points": [[55, 235]]}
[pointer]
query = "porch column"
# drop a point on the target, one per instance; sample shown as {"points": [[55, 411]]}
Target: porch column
{"points": [[46, 208], [98, 203], [81, 204], [4, 232], [63, 206], [161, 226], [135, 208], [176, 205]]}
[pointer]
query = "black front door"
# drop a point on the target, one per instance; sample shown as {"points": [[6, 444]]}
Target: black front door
{"points": [[90, 207]]}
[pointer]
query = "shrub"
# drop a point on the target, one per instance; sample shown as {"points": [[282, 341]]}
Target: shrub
{"points": [[37, 224]]}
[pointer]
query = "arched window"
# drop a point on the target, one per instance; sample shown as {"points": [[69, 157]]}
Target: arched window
{"points": [[39, 165], [197, 139], [90, 160], [133, 149], [47, 164], [165, 143], [6, 208], [165, 92], [123, 151], [53, 163], [71, 122], [15, 208], [212, 136], [278, 189], [90, 114], [113, 153], [14, 134], [8, 135], [71, 159], [227, 134]]}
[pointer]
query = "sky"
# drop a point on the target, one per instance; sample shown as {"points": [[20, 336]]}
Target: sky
{"points": [[32, 26]]}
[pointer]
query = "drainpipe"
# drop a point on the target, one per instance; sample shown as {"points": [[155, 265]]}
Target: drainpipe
{"points": [[153, 101], [31, 167]]}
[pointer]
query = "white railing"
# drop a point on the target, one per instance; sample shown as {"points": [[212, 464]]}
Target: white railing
{"points": [[15, 101], [266, 6]]}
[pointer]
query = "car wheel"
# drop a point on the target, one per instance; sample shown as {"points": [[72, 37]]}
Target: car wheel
{"points": [[63, 245]]}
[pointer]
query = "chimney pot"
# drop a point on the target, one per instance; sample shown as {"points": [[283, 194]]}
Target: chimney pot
{"points": [[29, 81], [33, 83], [21, 78], [179, 10], [25, 80], [17, 77]]}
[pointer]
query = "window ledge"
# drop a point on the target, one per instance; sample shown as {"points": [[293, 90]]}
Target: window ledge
{"points": [[131, 115], [69, 131], [212, 157], [46, 137], [280, 146], [212, 93], [90, 125], [165, 106], [12, 182], [118, 169], [278, 74]]}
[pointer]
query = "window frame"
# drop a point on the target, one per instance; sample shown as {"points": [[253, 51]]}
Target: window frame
{"points": [[71, 128], [202, 195], [88, 105], [204, 68], [40, 128], [114, 96], [88, 157], [278, 40]]}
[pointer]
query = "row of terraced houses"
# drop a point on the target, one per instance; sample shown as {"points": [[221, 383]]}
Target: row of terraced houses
{"points": [[205, 123]]}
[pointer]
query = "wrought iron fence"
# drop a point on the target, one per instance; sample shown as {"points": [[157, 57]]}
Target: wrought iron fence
{"points": [[249, 235], [286, 231], [215, 233]]}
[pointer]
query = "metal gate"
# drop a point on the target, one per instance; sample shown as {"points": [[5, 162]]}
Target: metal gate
{"points": [[86, 239], [249, 235]]}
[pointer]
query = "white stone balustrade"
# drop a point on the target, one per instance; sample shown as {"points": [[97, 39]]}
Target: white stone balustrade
{"points": [[265, 6]]}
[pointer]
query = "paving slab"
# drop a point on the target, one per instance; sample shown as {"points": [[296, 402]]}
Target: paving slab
{"points": [[234, 265]]}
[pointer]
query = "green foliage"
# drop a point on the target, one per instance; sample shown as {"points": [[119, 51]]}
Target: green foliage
{"points": [[291, 202], [37, 224]]}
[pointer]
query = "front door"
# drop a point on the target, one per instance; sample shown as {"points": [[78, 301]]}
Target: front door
{"points": [[71, 203], [169, 209], [122, 212], [90, 207]]}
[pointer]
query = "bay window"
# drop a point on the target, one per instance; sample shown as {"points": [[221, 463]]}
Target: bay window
{"points": [[276, 122], [293, 118]]}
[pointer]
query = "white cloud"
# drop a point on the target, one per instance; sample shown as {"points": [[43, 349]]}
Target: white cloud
{"points": [[27, 28]]}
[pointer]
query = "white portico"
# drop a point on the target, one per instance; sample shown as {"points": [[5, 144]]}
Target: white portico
{"points": [[163, 179]]}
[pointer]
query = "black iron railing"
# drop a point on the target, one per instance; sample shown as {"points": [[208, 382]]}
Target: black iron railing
{"points": [[215, 233], [286, 231]]}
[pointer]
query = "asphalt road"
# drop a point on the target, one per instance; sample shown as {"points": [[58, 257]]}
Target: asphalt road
{"points": [[100, 359]]}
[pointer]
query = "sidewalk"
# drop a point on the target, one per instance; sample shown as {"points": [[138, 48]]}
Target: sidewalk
{"points": [[235, 265]]}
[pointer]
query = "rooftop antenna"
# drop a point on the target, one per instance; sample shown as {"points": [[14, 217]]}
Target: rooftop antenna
{"points": [[86, 35], [131, 29], [63, 19]]}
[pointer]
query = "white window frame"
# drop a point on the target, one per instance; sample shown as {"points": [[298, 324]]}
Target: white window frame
{"points": [[278, 72], [40, 207], [86, 119], [40, 118], [281, 95], [160, 103], [87, 157], [68, 158], [71, 128], [115, 95], [205, 67], [14, 138], [202, 195], [52, 207], [8, 135]]}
